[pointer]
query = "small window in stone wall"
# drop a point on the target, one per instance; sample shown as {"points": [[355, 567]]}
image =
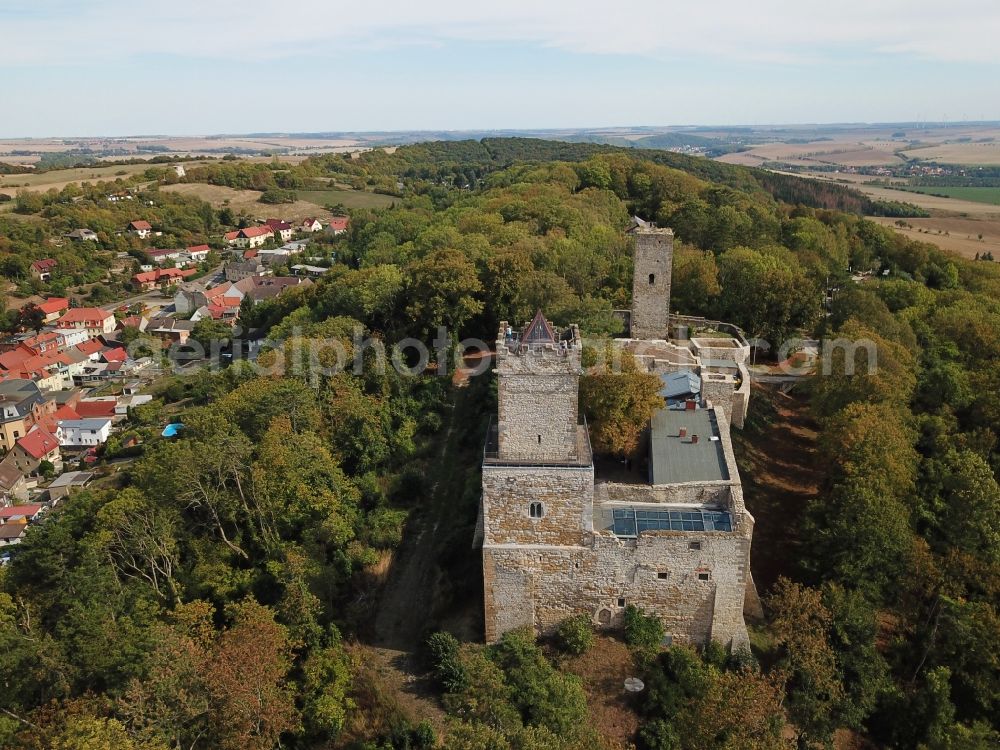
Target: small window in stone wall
{"points": [[704, 576], [652, 279], [535, 510], [621, 601], [663, 575], [694, 545]]}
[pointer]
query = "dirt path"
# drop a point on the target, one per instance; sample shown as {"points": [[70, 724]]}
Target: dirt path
{"points": [[778, 465]]}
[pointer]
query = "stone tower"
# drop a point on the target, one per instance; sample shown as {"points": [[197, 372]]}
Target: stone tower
{"points": [[538, 473], [538, 381], [654, 258]]}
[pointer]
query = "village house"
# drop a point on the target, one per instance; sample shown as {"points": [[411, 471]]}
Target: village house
{"points": [[82, 235], [249, 237], [162, 255], [20, 402], [93, 320], [198, 253], [37, 446], [53, 307], [160, 277], [140, 228], [42, 269], [282, 229], [13, 484], [78, 433], [310, 225], [243, 270], [337, 225]]}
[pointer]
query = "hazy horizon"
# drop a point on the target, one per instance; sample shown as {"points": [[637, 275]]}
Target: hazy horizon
{"points": [[306, 66]]}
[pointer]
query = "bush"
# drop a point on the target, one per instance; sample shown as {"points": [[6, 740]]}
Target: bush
{"points": [[443, 656], [575, 634], [642, 631]]}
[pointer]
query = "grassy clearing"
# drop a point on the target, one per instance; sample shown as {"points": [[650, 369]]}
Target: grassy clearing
{"points": [[350, 198]]}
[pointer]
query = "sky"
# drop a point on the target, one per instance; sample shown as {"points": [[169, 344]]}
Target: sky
{"points": [[131, 67]]}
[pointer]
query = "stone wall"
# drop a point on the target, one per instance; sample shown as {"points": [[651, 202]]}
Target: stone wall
{"points": [[718, 388], [695, 583], [566, 495], [654, 258], [700, 493]]}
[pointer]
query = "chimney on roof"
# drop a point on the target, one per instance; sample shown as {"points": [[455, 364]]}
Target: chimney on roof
{"points": [[694, 439], [683, 433], [690, 405]]}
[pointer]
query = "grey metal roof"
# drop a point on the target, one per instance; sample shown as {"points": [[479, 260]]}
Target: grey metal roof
{"points": [[675, 459], [72, 478], [680, 383]]}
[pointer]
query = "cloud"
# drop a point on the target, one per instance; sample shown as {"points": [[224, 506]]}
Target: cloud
{"points": [[770, 31]]}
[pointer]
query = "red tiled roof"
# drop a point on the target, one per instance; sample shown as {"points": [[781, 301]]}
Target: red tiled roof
{"points": [[140, 224], [339, 222], [14, 359], [44, 264], [199, 249], [94, 315], [278, 225], [256, 231], [19, 510], [90, 347], [53, 305], [232, 235], [38, 444], [163, 273], [95, 409], [250, 254], [118, 354]]}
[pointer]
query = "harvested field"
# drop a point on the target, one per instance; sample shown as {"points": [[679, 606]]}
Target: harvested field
{"points": [[60, 178], [955, 234], [959, 153]]}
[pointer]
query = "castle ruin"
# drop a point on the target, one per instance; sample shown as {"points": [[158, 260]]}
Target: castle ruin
{"points": [[669, 534]]}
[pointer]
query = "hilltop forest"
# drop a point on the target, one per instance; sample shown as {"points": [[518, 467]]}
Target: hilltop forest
{"points": [[223, 594]]}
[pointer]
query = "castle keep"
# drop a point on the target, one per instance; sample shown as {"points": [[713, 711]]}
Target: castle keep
{"points": [[670, 535]]}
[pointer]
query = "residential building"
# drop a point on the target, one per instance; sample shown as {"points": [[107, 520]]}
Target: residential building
{"points": [[338, 225], [198, 253], [42, 269], [37, 446], [282, 229], [93, 320], [250, 236], [160, 277], [246, 269], [76, 433], [140, 227], [20, 403], [82, 235], [310, 225], [13, 484], [53, 307]]}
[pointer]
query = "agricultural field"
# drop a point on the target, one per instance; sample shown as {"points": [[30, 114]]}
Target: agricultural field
{"points": [[964, 236], [990, 195], [60, 178], [970, 154]]}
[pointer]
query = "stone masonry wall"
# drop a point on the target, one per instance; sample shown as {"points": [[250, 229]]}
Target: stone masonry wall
{"points": [[660, 572], [654, 258], [566, 495]]}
